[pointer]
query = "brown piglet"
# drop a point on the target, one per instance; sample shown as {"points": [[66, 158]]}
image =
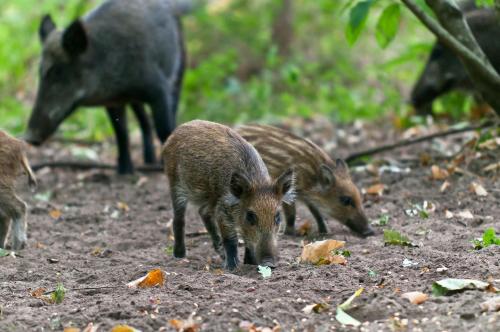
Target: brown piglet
{"points": [[324, 185], [210, 165], [12, 208]]}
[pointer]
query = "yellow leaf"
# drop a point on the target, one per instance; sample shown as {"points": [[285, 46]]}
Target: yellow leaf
{"points": [[376, 189], [315, 307], [55, 214], [187, 325], [123, 328], [122, 206], [415, 297], [321, 251], [154, 278], [439, 173], [71, 329]]}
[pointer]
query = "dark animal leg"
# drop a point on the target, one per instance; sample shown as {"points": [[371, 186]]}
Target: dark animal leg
{"points": [[206, 216], [163, 115], [119, 121], [19, 224], [289, 210], [147, 133], [249, 257], [4, 229], [179, 204], [322, 229]]}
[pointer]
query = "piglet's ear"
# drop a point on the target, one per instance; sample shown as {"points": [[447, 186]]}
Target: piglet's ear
{"points": [[239, 185], [74, 39], [47, 25], [341, 167], [285, 186], [327, 179]]}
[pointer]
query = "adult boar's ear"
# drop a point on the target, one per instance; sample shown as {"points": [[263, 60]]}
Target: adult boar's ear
{"points": [[239, 185], [285, 186], [74, 39], [47, 25]]}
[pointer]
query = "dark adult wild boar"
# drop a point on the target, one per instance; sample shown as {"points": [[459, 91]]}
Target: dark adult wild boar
{"points": [[123, 52], [211, 166], [12, 208], [324, 185], [444, 72]]}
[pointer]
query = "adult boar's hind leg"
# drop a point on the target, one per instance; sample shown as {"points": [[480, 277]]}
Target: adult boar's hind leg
{"points": [[147, 133], [118, 119]]}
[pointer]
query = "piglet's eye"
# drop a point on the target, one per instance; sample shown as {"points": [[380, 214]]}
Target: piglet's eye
{"points": [[346, 201], [277, 218], [251, 218]]}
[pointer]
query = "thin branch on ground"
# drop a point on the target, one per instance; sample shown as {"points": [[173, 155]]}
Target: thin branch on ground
{"points": [[85, 165], [411, 141], [84, 288]]}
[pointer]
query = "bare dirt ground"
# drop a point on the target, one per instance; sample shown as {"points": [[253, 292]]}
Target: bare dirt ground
{"points": [[96, 246]]}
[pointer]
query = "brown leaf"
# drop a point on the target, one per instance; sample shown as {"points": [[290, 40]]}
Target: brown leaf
{"points": [[122, 206], [415, 297], [315, 307], [321, 251], [376, 189], [154, 278], [188, 325], [305, 228], [492, 167], [444, 186], [38, 292], [439, 173]]}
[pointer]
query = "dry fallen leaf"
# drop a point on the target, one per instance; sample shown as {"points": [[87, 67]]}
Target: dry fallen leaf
{"points": [[38, 292], [448, 214], [154, 278], [492, 304], [305, 228], [444, 186], [123, 328], [439, 173], [376, 189], [188, 325], [315, 307], [55, 214], [122, 206], [250, 327], [478, 189], [321, 252], [465, 214], [415, 297], [492, 167], [491, 144], [89, 328]]}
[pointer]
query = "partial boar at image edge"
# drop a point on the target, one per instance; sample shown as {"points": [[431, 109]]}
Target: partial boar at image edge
{"points": [[123, 53], [213, 167], [13, 160], [444, 72], [324, 185]]}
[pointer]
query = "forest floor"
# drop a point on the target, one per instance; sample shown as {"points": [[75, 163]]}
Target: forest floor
{"points": [[94, 231]]}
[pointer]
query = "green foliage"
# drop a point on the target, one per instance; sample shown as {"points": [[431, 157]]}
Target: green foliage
{"points": [[489, 238], [357, 20], [382, 221], [450, 286], [4, 253], [344, 252], [58, 294], [387, 25], [392, 237]]}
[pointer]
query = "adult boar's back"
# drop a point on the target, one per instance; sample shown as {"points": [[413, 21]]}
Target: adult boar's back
{"points": [[123, 52]]}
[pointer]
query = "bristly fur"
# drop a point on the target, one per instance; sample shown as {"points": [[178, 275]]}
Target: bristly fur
{"points": [[320, 182]]}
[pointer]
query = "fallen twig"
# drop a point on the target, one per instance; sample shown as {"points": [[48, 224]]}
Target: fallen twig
{"points": [[84, 288], [411, 141], [85, 165]]}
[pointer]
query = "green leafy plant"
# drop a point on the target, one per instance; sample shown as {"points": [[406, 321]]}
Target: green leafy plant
{"points": [[489, 238], [382, 221], [449, 286], [392, 237], [387, 25], [345, 253], [58, 294]]}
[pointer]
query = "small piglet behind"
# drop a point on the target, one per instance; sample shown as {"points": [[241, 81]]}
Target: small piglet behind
{"points": [[324, 185], [213, 167], [12, 161]]}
